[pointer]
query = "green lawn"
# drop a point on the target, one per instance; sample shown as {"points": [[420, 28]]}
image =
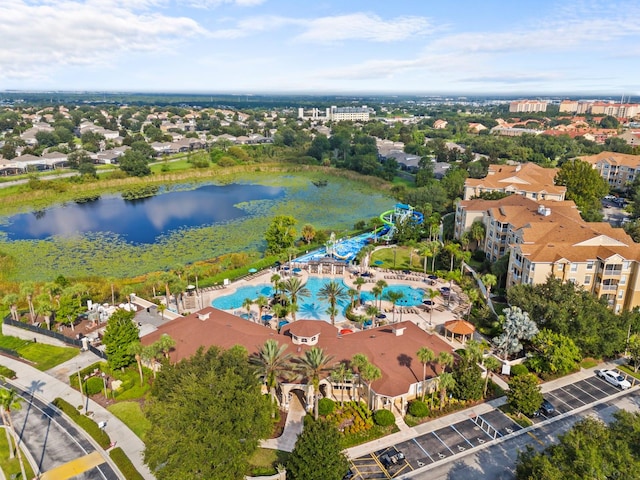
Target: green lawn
{"points": [[265, 461], [131, 414], [43, 356], [11, 467], [398, 258]]}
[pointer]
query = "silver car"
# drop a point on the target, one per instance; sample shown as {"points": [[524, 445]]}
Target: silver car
{"points": [[614, 378]]}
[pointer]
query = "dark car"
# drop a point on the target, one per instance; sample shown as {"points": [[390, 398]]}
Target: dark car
{"points": [[545, 409], [348, 475], [392, 459]]}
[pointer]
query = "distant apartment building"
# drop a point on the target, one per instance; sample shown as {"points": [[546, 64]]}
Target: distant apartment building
{"points": [[620, 110], [618, 169], [336, 114], [514, 131], [550, 238], [528, 106], [440, 124], [528, 180]]}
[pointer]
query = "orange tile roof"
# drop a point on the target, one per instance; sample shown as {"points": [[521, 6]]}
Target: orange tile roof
{"points": [[613, 158], [459, 327], [395, 355], [527, 176]]}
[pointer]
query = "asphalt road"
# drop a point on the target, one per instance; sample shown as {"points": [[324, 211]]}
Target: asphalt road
{"points": [[52, 440]]}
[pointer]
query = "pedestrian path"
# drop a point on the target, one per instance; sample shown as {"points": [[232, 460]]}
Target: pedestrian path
{"points": [[47, 387], [292, 428]]}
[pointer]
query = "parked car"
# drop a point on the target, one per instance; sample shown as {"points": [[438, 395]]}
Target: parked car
{"points": [[545, 409], [392, 459], [614, 378]]}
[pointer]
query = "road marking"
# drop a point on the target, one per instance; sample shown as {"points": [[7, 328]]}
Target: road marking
{"points": [[465, 438], [531, 434], [74, 467], [577, 398], [382, 467], [436, 435], [425, 452]]}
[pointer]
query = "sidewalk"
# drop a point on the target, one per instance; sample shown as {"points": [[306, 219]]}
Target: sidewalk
{"points": [[292, 428], [47, 387]]}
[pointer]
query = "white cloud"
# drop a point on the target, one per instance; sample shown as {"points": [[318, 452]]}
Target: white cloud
{"points": [[363, 26], [38, 37], [218, 3]]}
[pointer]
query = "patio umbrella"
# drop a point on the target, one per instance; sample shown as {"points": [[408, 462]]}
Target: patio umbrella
{"points": [[253, 270]]}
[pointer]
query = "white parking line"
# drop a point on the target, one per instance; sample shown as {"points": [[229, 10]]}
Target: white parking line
{"points": [[577, 398], [583, 390], [425, 452], [557, 398], [436, 435], [465, 438], [599, 380]]}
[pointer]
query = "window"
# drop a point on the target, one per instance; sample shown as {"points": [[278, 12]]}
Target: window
{"points": [[620, 294], [590, 265], [574, 267], [572, 280], [623, 279], [587, 279], [560, 267], [304, 340], [626, 265]]}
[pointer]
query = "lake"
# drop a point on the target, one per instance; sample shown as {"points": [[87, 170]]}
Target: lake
{"points": [[143, 220]]}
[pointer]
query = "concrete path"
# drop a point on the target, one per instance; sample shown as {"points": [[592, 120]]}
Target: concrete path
{"points": [[292, 428], [64, 370], [47, 387]]}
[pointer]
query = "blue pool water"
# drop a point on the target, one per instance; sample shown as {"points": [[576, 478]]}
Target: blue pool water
{"points": [[311, 307], [412, 296]]}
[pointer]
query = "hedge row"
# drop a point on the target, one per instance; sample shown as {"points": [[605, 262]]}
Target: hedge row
{"points": [[124, 464], [6, 372], [85, 422]]}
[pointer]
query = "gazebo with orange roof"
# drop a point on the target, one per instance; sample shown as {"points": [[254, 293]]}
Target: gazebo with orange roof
{"points": [[459, 327]]}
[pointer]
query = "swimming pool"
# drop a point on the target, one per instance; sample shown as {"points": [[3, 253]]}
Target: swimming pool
{"points": [[411, 296], [309, 308]]}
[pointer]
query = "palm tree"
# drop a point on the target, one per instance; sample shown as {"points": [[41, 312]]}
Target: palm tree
{"points": [[377, 293], [474, 350], [359, 282], [271, 364], [491, 364], [8, 401], [11, 300], [453, 249], [445, 359], [246, 304], [296, 289], [489, 280], [424, 250], [165, 344], [137, 349], [371, 312], [151, 354], [477, 232], [311, 366], [431, 293], [352, 296], [261, 302], [425, 355], [161, 308], [381, 285], [26, 290], [465, 240], [359, 361], [341, 373], [445, 382], [370, 373], [435, 249], [394, 296], [275, 279], [332, 292]]}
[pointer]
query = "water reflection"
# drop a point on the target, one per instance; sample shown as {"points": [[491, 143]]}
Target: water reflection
{"points": [[140, 221]]}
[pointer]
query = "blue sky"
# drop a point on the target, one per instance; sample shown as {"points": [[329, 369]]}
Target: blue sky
{"points": [[334, 46]]}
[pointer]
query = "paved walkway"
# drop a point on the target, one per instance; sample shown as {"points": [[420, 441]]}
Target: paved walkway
{"points": [[292, 428], [47, 387]]}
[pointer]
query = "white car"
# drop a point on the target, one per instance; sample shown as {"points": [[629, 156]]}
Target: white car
{"points": [[614, 378]]}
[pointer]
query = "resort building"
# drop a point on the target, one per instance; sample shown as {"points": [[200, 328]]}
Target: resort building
{"points": [[619, 169], [550, 238], [528, 106], [336, 114], [392, 348], [528, 179]]}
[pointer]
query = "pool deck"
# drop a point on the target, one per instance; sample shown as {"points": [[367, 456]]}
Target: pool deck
{"points": [[441, 312]]}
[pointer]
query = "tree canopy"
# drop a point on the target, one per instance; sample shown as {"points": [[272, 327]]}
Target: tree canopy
{"points": [[281, 234], [585, 187], [317, 454], [207, 416], [121, 332]]}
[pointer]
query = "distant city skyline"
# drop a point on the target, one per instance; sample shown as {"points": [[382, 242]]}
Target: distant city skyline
{"points": [[548, 47]]}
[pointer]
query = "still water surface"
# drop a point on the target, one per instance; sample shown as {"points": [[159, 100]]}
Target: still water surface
{"points": [[140, 221]]}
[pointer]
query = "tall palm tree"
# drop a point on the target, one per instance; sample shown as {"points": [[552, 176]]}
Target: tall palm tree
{"points": [[477, 232], [394, 296], [371, 312], [359, 282], [311, 366], [271, 364], [370, 373], [246, 304], [445, 382], [489, 280], [431, 294], [491, 364], [436, 247], [8, 401], [377, 293], [11, 300], [275, 279], [332, 292], [358, 362], [424, 250], [295, 288], [445, 360], [262, 303], [453, 250], [162, 308], [425, 355], [137, 349], [352, 296], [27, 290], [166, 343], [341, 373]]}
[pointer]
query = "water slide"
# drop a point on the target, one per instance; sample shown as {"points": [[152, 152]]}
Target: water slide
{"points": [[399, 213]]}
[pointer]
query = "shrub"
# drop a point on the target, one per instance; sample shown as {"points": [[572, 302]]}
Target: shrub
{"points": [[384, 418], [326, 406], [93, 386], [418, 408], [124, 464], [7, 372], [84, 422], [519, 369]]}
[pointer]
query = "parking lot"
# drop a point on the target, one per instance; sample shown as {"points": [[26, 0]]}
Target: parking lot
{"points": [[456, 439]]}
